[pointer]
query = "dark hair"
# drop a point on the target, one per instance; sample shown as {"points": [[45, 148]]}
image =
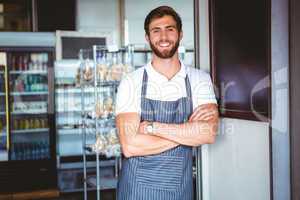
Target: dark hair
{"points": [[159, 12]]}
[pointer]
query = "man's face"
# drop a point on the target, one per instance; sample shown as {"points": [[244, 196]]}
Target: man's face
{"points": [[164, 37]]}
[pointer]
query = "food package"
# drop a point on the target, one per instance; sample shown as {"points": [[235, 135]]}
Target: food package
{"points": [[102, 71], [99, 109], [87, 72], [108, 105], [116, 72], [112, 137], [113, 151], [100, 145]]}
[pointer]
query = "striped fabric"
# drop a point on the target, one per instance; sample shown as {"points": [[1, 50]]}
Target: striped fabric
{"points": [[164, 176]]}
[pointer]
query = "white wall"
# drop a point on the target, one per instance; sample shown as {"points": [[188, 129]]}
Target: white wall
{"points": [[237, 165], [136, 11], [99, 16]]}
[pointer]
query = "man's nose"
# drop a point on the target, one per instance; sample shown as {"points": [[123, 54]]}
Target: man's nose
{"points": [[163, 34]]}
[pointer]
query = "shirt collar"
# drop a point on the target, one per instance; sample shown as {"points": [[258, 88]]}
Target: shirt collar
{"points": [[159, 77]]}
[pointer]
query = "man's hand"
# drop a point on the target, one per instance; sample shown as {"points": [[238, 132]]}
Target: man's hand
{"points": [[204, 112], [143, 127]]}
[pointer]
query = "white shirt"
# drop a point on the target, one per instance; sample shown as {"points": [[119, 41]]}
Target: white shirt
{"points": [[160, 88]]}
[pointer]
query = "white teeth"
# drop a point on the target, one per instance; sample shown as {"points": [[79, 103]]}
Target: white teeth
{"points": [[164, 44]]}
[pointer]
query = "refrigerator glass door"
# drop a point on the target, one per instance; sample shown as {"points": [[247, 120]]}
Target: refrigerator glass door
{"points": [[29, 110]]}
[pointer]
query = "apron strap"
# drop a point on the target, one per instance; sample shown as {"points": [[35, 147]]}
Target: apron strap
{"points": [[189, 91], [144, 84]]}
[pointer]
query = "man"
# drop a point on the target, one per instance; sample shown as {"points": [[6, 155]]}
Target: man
{"points": [[163, 109]]}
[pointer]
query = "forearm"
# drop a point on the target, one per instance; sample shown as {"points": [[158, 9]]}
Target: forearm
{"points": [[134, 143], [189, 133], [142, 145]]}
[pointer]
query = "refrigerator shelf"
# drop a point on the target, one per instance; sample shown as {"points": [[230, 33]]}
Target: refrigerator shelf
{"points": [[40, 72], [29, 93], [31, 112], [36, 130]]}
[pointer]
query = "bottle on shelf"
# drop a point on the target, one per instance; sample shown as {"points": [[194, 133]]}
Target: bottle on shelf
{"points": [[33, 62], [20, 63], [25, 62], [37, 123], [13, 63], [13, 155], [16, 124], [45, 62]]}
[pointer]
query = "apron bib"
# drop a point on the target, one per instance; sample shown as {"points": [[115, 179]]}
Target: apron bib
{"points": [[164, 176]]}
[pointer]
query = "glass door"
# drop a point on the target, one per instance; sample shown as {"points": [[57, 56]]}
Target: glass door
{"points": [[29, 99], [4, 117]]}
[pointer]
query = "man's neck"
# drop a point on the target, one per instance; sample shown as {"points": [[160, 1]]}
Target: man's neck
{"points": [[167, 67]]}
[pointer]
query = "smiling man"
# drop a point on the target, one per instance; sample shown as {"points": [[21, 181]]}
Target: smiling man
{"points": [[163, 110]]}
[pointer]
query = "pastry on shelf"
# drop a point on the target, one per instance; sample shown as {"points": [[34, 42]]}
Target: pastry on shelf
{"points": [[87, 72], [113, 150], [100, 144], [109, 106], [112, 137], [116, 72], [102, 71], [101, 111]]}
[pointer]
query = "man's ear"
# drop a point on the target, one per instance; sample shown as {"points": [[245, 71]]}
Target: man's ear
{"points": [[180, 35], [147, 37]]}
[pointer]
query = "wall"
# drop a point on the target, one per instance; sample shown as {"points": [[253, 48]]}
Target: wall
{"points": [[136, 11], [99, 16], [239, 161]]}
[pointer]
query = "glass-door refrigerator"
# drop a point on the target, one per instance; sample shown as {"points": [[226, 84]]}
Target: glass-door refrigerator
{"points": [[27, 137]]}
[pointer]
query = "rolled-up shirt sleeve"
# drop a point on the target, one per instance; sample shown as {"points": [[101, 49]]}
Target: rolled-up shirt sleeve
{"points": [[203, 90], [127, 97]]}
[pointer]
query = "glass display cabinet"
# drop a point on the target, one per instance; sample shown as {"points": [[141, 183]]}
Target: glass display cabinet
{"points": [[101, 73]]}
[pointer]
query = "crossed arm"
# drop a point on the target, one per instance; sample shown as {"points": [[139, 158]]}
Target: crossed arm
{"points": [[135, 141]]}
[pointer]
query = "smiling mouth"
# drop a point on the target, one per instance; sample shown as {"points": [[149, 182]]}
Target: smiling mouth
{"points": [[164, 44]]}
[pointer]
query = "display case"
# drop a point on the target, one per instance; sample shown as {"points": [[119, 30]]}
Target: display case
{"points": [[102, 75], [26, 119]]}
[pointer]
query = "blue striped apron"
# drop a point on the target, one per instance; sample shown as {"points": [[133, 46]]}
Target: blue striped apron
{"points": [[164, 176]]}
